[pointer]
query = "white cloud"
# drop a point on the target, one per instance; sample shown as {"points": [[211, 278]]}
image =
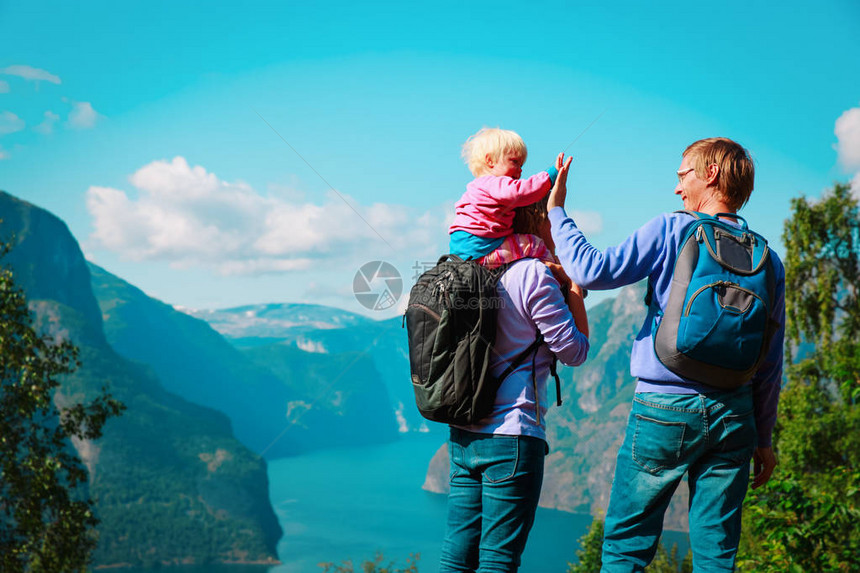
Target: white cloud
{"points": [[47, 125], [847, 132], [30, 73], [589, 222], [10, 123], [4, 87], [186, 215], [83, 116]]}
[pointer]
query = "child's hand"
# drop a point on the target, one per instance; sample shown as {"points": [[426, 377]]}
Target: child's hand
{"points": [[559, 191], [559, 161]]}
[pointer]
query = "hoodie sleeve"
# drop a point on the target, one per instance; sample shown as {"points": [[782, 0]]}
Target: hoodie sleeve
{"points": [[617, 266]]}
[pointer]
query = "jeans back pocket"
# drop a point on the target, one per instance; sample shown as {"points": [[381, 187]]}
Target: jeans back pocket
{"points": [[739, 437], [657, 444]]}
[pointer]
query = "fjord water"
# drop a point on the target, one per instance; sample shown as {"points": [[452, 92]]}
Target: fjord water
{"points": [[348, 504]]}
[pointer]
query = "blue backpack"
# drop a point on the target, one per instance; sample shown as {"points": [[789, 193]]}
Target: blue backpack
{"points": [[716, 327]]}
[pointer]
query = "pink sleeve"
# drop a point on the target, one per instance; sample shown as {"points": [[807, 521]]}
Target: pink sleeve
{"points": [[514, 193]]}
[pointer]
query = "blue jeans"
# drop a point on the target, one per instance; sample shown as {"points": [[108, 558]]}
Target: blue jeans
{"points": [[710, 437], [495, 486]]}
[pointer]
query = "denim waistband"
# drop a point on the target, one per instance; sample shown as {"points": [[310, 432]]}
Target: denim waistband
{"points": [[710, 402]]}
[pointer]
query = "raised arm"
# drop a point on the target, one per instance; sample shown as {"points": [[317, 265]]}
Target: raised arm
{"points": [[515, 193]]}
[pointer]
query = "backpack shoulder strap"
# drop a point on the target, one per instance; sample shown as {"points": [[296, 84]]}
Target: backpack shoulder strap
{"points": [[694, 214], [449, 257], [650, 299], [521, 357], [554, 371], [553, 367]]}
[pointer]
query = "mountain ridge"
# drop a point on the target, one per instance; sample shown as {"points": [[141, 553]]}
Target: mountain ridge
{"points": [[273, 403], [149, 477]]}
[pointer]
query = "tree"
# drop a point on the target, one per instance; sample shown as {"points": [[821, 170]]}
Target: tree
{"points": [[590, 560], [378, 565], [46, 518], [805, 518], [589, 551]]}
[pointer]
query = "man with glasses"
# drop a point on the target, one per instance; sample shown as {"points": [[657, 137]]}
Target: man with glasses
{"points": [[679, 426]]}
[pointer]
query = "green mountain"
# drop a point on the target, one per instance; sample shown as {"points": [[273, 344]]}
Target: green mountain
{"points": [[325, 331], [281, 399], [171, 483], [344, 403]]}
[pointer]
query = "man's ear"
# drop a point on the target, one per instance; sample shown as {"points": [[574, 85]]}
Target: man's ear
{"points": [[712, 174]]}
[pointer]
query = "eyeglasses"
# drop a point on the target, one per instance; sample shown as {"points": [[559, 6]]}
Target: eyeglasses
{"points": [[681, 174]]}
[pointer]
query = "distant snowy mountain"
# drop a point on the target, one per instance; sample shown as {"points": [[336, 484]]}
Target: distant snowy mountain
{"points": [[276, 321]]}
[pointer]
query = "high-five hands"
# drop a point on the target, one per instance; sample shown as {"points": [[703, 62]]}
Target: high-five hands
{"points": [[558, 193]]}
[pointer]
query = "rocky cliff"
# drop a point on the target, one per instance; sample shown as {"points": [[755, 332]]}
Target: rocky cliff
{"points": [[171, 483]]}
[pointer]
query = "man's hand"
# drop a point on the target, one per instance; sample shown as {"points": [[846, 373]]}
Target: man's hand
{"points": [[559, 191], [763, 464]]}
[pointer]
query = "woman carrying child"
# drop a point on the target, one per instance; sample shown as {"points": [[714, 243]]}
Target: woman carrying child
{"points": [[497, 464]]}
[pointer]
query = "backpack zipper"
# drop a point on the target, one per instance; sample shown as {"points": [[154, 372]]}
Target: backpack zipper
{"points": [[426, 309], [443, 293], [716, 284]]}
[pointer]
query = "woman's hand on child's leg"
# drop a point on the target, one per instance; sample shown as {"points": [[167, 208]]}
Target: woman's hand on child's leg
{"points": [[559, 274]]}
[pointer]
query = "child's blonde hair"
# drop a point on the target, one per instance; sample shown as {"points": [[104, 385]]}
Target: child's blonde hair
{"points": [[492, 142]]}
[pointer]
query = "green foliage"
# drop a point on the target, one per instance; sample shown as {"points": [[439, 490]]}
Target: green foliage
{"points": [[822, 275], [589, 555], [800, 524], [805, 518], [375, 566], [46, 517], [668, 562], [590, 546], [815, 430]]}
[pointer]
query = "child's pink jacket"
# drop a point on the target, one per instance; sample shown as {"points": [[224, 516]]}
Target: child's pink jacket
{"points": [[486, 209]]}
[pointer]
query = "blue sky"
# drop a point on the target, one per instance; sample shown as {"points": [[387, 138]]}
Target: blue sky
{"points": [[161, 131]]}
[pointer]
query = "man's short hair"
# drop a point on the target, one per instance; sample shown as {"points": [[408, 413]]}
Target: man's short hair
{"points": [[736, 174], [494, 142]]}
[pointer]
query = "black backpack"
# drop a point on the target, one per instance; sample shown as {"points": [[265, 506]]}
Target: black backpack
{"points": [[451, 327]]}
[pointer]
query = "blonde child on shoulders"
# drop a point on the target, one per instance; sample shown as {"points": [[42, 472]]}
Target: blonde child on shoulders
{"points": [[483, 222]]}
